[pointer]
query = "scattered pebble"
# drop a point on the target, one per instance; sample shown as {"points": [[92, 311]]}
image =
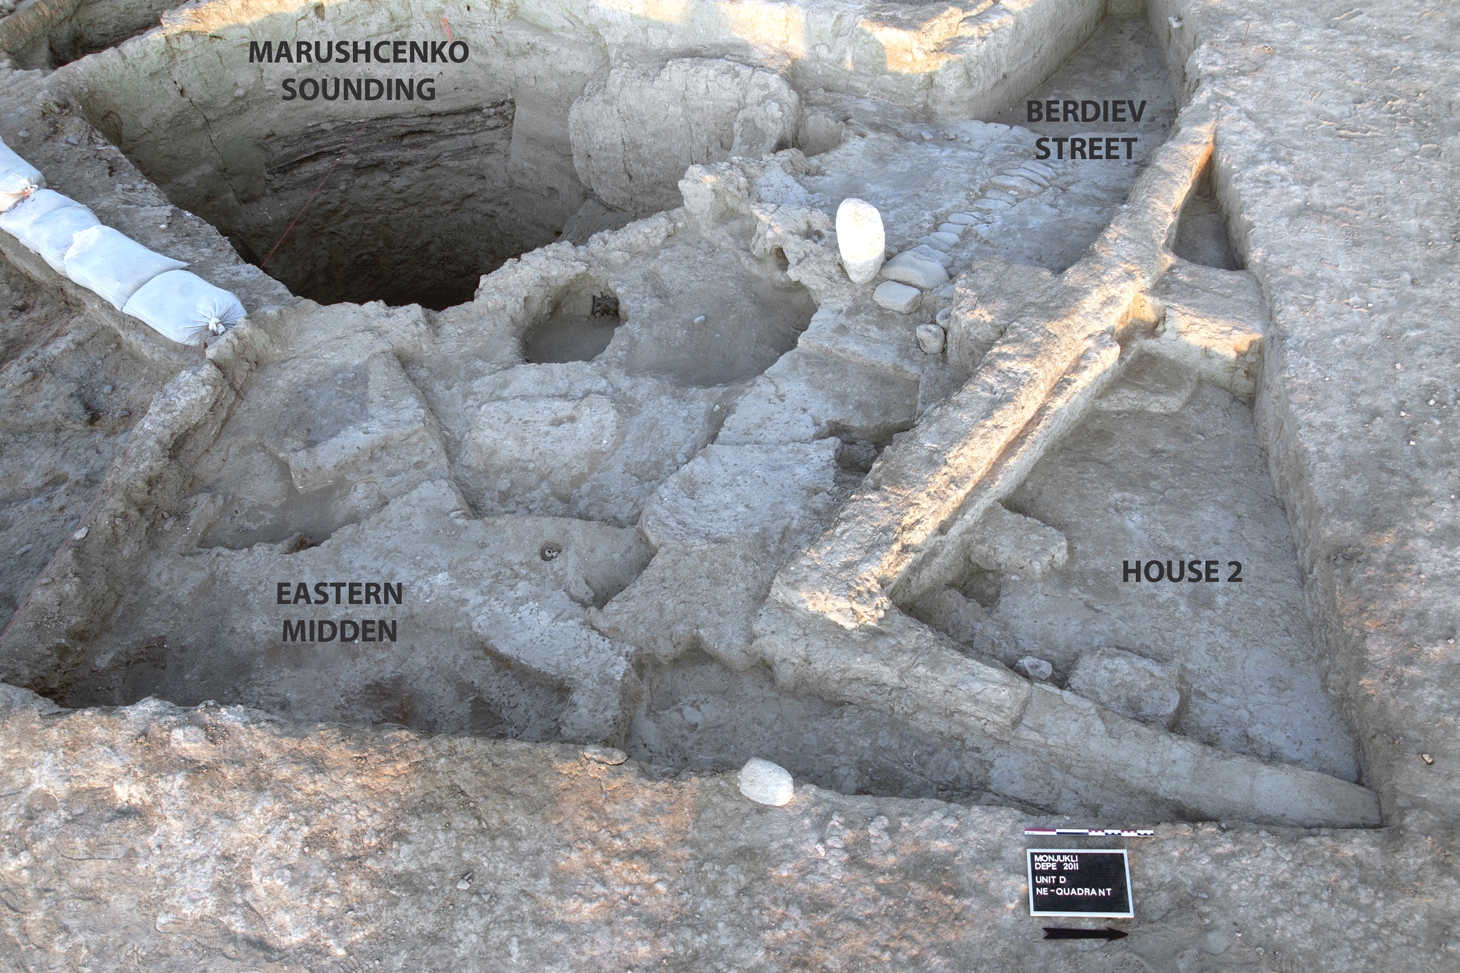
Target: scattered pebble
{"points": [[1033, 668], [604, 755], [23, 134], [700, 319], [1039, 168], [464, 882], [941, 256], [80, 534], [1427, 758], [766, 783], [72, 140], [24, 550], [1015, 183], [962, 219], [1024, 172]]}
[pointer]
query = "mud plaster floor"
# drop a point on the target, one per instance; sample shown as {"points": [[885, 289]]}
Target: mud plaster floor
{"points": [[1189, 483]]}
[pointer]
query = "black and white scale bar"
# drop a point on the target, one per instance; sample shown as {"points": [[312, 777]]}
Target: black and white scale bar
{"points": [[1107, 934], [1094, 832]]}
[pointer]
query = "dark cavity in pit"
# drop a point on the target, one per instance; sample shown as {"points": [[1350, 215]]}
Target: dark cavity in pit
{"points": [[409, 210], [404, 209]]}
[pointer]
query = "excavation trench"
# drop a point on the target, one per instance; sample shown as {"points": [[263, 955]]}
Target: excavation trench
{"points": [[347, 195]]}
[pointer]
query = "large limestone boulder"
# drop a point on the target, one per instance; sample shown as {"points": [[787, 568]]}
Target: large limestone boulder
{"points": [[634, 136]]}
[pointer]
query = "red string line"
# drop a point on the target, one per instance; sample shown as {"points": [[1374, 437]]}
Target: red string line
{"points": [[313, 194]]}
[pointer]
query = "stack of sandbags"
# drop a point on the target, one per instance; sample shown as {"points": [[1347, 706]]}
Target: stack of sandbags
{"points": [[18, 178], [147, 285], [46, 224], [112, 264]]}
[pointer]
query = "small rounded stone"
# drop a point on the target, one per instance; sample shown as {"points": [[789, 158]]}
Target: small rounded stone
{"points": [[860, 238], [604, 755], [930, 339], [1034, 668], [766, 783]]}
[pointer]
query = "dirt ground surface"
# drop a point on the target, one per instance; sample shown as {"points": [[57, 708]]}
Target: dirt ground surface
{"points": [[666, 489]]}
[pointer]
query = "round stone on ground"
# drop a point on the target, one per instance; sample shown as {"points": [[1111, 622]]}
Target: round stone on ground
{"points": [[766, 783], [1036, 669]]}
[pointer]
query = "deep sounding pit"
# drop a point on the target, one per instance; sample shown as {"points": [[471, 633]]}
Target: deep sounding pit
{"points": [[356, 181]]}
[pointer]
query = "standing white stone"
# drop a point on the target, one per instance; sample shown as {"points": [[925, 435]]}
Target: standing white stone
{"points": [[860, 238], [766, 783]]}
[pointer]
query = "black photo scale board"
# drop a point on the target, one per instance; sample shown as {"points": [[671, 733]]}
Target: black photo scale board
{"points": [[1079, 882]]}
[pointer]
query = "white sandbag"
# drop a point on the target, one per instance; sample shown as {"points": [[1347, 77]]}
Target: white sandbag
{"points": [[10, 162], [185, 307], [14, 188], [114, 265], [51, 235], [18, 178], [42, 201]]}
